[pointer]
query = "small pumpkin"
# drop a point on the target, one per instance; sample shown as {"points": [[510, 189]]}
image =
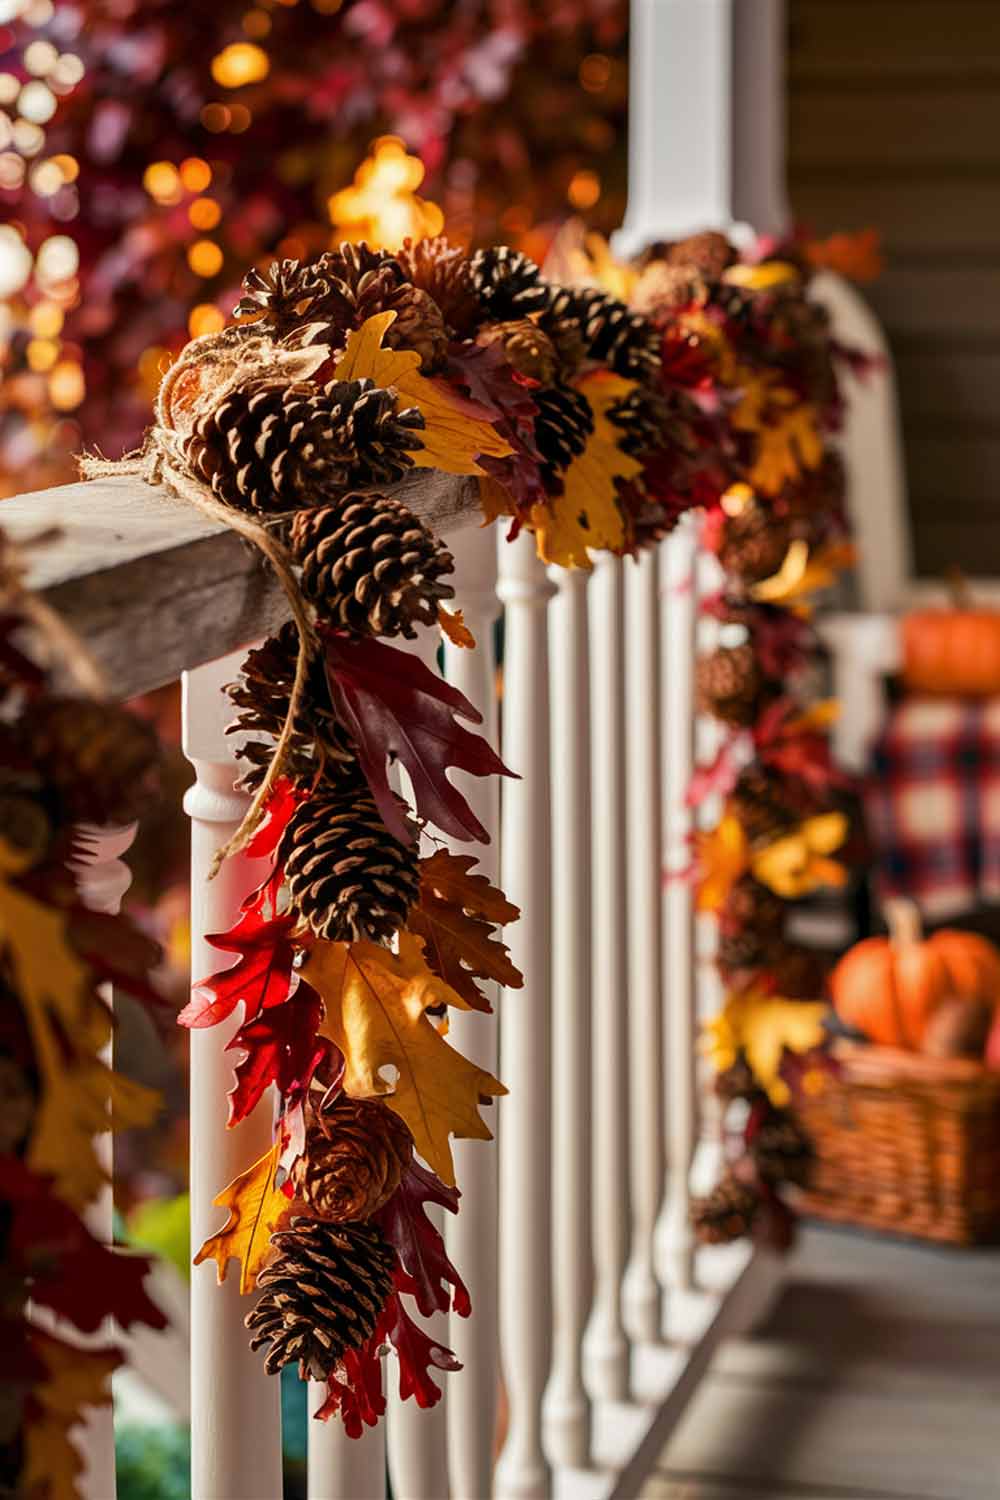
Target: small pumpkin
{"points": [[953, 651], [889, 987]]}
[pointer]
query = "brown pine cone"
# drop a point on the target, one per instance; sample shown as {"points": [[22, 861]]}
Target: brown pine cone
{"points": [[102, 760], [353, 1161], [737, 1082], [507, 282], [370, 566], [625, 341], [562, 427], [272, 447], [759, 802], [347, 876], [418, 324], [754, 543], [444, 272], [751, 926], [644, 417], [726, 1213], [781, 1151], [282, 296], [17, 1106], [708, 252], [728, 684], [321, 1295], [560, 320], [263, 692], [527, 348]]}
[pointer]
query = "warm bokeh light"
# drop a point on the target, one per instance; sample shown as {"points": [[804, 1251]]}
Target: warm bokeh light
{"points": [[154, 363], [57, 260], [205, 319], [15, 261], [162, 182], [595, 71], [37, 102], [215, 117], [584, 189], [382, 206], [205, 258], [46, 320], [256, 23], [240, 118], [240, 63], [204, 213], [195, 174], [68, 166], [67, 386], [41, 354]]}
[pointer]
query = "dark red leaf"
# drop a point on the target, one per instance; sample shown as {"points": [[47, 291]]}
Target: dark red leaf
{"points": [[358, 1397], [281, 1047], [392, 704], [424, 1270], [117, 950], [417, 1354], [489, 378], [66, 1268], [262, 976]]}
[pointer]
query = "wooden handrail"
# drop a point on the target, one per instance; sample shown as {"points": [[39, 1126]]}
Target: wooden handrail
{"points": [[153, 587]]}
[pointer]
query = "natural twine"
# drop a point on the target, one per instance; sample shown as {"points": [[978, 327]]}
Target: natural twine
{"points": [[160, 461]]}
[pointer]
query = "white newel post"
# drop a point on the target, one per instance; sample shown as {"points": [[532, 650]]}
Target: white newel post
{"points": [[471, 1234], [643, 728], [678, 605], [605, 1346], [525, 1037], [103, 878], [567, 1405], [235, 1405]]}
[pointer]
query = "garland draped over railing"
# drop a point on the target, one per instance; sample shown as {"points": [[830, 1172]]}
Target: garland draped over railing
{"points": [[594, 424]]}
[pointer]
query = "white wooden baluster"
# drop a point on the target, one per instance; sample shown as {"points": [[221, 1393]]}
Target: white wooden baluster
{"points": [[471, 1234], [103, 878], [525, 1032], [340, 1467], [235, 1405], [605, 1346], [675, 1245], [567, 1405], [416, 1440], [641, 1292]]}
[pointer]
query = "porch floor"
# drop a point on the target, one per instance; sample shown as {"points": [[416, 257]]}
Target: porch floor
{"points": [[876, 1377]]}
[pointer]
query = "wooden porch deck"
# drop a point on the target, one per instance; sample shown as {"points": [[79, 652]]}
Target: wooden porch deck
{"points": [[876, 1377]]}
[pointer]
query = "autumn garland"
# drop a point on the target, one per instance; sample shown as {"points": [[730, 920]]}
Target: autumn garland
{"points": [[68, 759]]}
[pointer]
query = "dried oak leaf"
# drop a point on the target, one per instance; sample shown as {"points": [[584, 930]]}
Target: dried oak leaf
{"points": [[375, 1014], [394, 705], [424, 1270], [281, 1047], [455, 628], [457, 914], [762, 1026], [457, 430], [586, 516], [257, 1208], [75, 1378]]}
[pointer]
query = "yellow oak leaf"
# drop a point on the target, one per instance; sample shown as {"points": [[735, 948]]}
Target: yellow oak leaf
{"points": [[762, 1026], [586, 516], [804, 572], [787, 444], [494, 499], [798, 863], [74, 1378], [257, 1207], [762, 277], [721, 858], [375, 1013], [453, 437], [455, 628]]}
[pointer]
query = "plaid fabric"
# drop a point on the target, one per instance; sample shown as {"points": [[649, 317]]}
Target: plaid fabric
{"points": [[932, 798]]}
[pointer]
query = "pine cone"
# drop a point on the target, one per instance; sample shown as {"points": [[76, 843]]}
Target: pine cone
{"points": [[562, 427], [754, 543], [781, 1151], [729, 684], [759, 803], [644, 418], [353, 1161], [347, 876], [321, 1296], [263, 693], [726, 1213], [17, 1106], [418, 325], [625, 341], [737, 1082], [272, 447], [444, 272], [371, 566], [102, 760], [527, 348], [560, 320], [751, 924], [708, 252], [508, 283], [284, 293]]}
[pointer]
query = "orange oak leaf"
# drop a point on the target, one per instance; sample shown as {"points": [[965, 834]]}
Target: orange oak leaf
{"points": [[375, 1013], [494, 499], [457, 914], [455, 628], [586, 516], [257, 1207], [457, 431]]}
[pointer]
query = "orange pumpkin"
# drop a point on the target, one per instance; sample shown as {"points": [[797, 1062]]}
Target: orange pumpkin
{"points": [[888, 988], [954, 651]]}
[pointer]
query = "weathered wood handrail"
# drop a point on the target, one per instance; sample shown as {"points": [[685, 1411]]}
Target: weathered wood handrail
{"points": [[153, 587]]}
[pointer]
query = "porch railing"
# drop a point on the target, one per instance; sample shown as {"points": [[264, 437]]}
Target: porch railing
{"points": [[593, 1317]]}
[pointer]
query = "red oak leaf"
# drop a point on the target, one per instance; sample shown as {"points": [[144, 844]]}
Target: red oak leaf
{"points": [[488, 376], [417, 1353], [393, 705], [67, 1270], [280, 805], [262, 977], [281, 1047], [424, 1270], [358, 1396], [457, 914]]}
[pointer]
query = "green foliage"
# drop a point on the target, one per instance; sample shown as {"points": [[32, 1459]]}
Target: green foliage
{"points": [[153, 1462], [163, 1227]]}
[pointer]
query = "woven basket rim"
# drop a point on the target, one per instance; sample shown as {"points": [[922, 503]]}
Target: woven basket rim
{"points": [[872, 1064]]}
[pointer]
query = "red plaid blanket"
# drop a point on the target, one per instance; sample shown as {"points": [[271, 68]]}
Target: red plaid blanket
{"points": [[932, 797]]}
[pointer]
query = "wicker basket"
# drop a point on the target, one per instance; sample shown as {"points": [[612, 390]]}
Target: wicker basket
{"points": [[908, 1144]]}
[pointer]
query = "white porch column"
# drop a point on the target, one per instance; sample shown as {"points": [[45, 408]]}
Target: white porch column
{"points": [[706, 119], [235, 1405]]}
